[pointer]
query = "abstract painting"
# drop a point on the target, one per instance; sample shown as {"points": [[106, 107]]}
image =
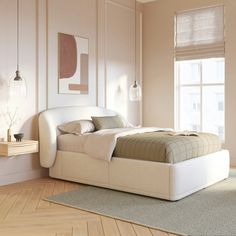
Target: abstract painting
{"points": [[73, 64]]}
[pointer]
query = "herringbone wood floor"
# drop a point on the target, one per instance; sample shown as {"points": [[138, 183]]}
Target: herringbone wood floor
{"points": [[23, 212]]}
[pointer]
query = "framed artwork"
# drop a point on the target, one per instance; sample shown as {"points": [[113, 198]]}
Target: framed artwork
{"points": [[73, 64]]}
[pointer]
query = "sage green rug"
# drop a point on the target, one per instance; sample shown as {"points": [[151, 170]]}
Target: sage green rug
{"points": [[211, 211]]}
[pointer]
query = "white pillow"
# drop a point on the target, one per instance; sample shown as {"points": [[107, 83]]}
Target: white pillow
{"points": [[77, 127]]}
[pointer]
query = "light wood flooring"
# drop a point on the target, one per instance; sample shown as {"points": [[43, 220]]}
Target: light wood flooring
{"points": [[23, 212]]}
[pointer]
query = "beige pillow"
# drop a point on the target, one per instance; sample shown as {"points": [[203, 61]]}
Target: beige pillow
{"points": [[108, 122], [77, 127]]}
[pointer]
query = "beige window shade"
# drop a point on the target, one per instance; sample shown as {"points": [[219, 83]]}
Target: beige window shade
{"points": [[200, 33]]}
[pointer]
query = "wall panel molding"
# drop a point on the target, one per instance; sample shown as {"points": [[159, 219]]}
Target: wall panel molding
{"points": [[77, 18], [130, 4], [42, 55], [101, 54], [120, 57]]}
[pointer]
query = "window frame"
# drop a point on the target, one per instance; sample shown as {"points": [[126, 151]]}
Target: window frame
{"points": [[201, 85]]}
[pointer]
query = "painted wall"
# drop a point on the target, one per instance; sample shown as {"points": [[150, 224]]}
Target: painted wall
{"points": [[109, 27], [158, 64], [120, 57], [22, 167]]}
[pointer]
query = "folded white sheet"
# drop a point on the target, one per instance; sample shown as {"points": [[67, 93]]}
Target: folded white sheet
{"points": [[101, 144]]}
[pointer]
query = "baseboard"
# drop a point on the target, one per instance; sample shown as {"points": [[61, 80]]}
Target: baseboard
{"points": [[19, 177]]}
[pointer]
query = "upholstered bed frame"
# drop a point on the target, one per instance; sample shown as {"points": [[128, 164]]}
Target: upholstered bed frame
{"points": [[161, 180]]}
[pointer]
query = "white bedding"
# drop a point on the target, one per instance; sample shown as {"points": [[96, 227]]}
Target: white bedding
{"points": [[99, 144], [70, 143]]}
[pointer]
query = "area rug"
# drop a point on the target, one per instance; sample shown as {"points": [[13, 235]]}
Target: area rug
{"points": [[211, 211]]}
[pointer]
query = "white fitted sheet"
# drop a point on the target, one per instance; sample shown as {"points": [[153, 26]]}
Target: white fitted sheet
{"points": [[70, 142]]}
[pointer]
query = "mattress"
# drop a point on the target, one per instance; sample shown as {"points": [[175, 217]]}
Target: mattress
{"points": [[70, 142], [152, 146]]}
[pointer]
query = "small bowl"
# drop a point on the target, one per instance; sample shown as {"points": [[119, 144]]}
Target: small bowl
{"points": [[18, 137]]}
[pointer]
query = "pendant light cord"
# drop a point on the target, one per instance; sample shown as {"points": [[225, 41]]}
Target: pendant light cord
{"points": [[17, 35], [135, 73]]}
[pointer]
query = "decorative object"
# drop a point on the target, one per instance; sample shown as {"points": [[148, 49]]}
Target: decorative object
{"points": [[9, 135], [18, 90], [135, 92], [8, 149], [208, 212], [11, 118], [73, 64], [18, 137]]}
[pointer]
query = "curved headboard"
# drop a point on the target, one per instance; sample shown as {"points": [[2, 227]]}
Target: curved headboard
{"points": [[50, 119]]}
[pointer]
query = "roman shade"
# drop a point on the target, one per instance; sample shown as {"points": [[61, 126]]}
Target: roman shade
{"points": [[199, 33]]}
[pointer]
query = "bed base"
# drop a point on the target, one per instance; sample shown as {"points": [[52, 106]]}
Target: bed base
{"points": [[160, 180]]}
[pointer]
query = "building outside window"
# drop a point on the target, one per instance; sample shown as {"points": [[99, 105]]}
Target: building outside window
{"points": [[220, 99]]}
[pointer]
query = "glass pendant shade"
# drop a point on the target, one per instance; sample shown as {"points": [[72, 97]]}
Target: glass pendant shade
{"points": [[18, 89], [135, 92]]}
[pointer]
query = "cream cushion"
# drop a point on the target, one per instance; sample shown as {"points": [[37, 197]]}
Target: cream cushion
{"points": [[77, 127], [108, 122]]}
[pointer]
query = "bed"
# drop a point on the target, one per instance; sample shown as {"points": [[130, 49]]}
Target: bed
{"points": [[170, 181]]}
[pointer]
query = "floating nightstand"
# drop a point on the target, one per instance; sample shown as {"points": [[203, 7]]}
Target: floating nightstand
{"points": [[18, 148]]}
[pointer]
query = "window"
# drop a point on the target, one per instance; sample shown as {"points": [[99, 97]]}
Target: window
{"points": [[200, 70], [220, 99], [200, 95], [195, 102]]}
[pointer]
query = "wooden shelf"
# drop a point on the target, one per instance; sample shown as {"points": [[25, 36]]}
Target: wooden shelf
{"points": [[18, 148]]}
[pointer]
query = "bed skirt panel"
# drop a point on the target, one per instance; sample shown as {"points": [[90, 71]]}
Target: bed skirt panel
{"points": [[160, 180]]}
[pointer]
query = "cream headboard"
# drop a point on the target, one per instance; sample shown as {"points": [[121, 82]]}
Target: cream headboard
{"points": [[50, 119]]}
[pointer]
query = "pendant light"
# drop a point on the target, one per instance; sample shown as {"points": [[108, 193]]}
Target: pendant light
{"points": [[135, 92], [18, 89]]}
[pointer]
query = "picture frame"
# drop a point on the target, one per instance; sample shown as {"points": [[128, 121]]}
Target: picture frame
{"points": [[73, 64]]}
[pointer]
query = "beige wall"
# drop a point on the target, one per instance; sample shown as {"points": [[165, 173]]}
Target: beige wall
{"points": [[120, 57], [110, 57], [76, 18], [14, 169], [158, 64], [109, 26]]}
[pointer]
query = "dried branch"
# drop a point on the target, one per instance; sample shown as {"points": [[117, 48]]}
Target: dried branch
{"points": [[11, 117]]}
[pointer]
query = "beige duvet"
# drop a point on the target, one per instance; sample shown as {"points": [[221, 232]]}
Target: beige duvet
{"points": [[149, 144]]}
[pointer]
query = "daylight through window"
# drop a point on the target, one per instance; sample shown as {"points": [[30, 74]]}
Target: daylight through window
{"points": [[200, 70]]}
